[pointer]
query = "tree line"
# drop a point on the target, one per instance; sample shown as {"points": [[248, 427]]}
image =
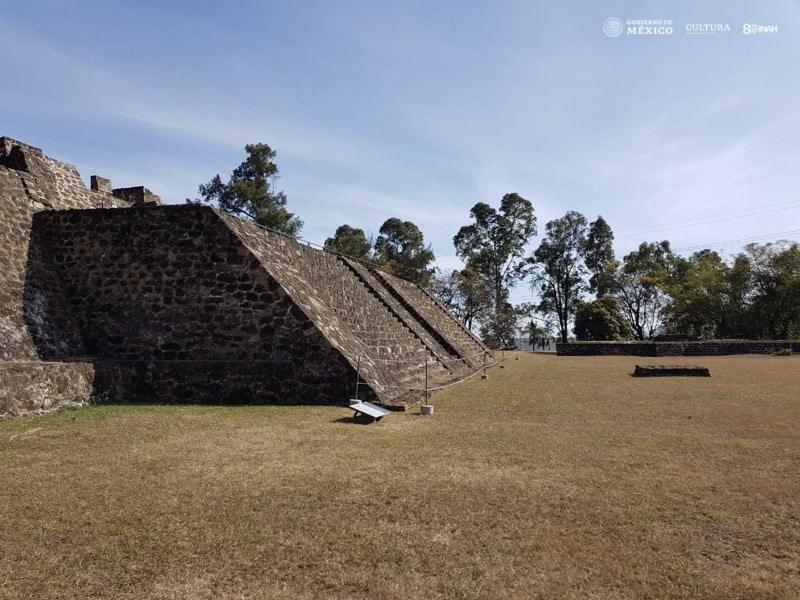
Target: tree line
{"points": [[580, 285]]}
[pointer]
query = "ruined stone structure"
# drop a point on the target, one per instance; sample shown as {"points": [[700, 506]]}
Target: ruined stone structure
{"points": [[106, 295]]}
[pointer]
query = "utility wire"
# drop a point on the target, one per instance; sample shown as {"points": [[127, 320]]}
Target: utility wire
{"points": [[721, 214], [707, 220], [708, 245], [739, 241]]}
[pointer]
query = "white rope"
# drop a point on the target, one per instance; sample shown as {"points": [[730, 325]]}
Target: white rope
{"points": [[310, 243], [447, 385], [430, 362]]}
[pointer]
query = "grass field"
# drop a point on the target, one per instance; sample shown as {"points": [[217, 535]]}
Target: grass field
{"points": [[554, 478]]}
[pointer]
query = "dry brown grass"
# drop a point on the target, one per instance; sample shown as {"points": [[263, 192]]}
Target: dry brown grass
{"points": [[555, 478]]}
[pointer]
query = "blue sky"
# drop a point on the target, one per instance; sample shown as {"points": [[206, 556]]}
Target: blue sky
{"points": [[421, 109]]}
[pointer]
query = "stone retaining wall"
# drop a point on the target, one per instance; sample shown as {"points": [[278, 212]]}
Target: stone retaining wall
{"points": [[35, 387], [219, 382], [169, 306]]}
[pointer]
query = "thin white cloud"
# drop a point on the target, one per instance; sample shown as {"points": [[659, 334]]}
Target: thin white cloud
{"points": [[84, 88]]}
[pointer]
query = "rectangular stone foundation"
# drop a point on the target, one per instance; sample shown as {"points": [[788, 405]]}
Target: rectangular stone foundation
{"points": [[670, 371]]}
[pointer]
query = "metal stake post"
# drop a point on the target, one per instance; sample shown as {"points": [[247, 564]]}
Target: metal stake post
{"points": [[358, 375], [426, 408], [426, 381]]}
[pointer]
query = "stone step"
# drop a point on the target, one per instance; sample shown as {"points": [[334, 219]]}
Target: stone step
{"points": [[398, 351]]}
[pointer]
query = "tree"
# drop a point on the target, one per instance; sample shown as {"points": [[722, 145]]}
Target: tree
{"points": [[349, 241], [560, 270], [598, 255], [501, 330], [738, 322], [539, 329], [757, 296], [400, 249], [467, 294], [601, 320], [538, 333], [250, 193], [445, 288], [775, 290], [639, 286], [702, 300], [493, 245]]}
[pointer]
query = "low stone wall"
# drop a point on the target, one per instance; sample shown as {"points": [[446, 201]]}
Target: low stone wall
{"points": [[38, 387], [707, 348]]}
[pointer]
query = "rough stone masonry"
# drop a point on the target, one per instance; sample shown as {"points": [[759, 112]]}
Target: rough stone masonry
{"points": [[106, 295]]}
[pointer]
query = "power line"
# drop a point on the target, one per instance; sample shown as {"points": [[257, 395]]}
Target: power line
{"points": [[709, 219], [721, 214], [739, 241], [705, 246]]}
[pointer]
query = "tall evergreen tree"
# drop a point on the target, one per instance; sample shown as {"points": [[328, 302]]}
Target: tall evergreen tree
{"points": [[598, 255], [774, 289], [401, 250], [350, 241], [699, 296], [250, 192]]}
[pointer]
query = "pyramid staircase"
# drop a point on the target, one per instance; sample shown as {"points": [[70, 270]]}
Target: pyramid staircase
{"points": [[426, 309], [378, 330]]}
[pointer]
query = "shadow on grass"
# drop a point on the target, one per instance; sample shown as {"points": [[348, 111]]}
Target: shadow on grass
{"points": [[353, 420]]}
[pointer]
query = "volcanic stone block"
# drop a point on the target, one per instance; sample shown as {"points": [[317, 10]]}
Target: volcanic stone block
{"points": [[101, 184], [670, 371]]}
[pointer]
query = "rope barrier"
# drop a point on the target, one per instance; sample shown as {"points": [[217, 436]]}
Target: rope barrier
{"points": [[315, 245], [470, 376], [440, 387], [437, 361], [424, 366]]}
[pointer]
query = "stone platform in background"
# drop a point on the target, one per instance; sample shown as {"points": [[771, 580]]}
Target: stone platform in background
{"points": [[670, 371], [685, 348]]}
